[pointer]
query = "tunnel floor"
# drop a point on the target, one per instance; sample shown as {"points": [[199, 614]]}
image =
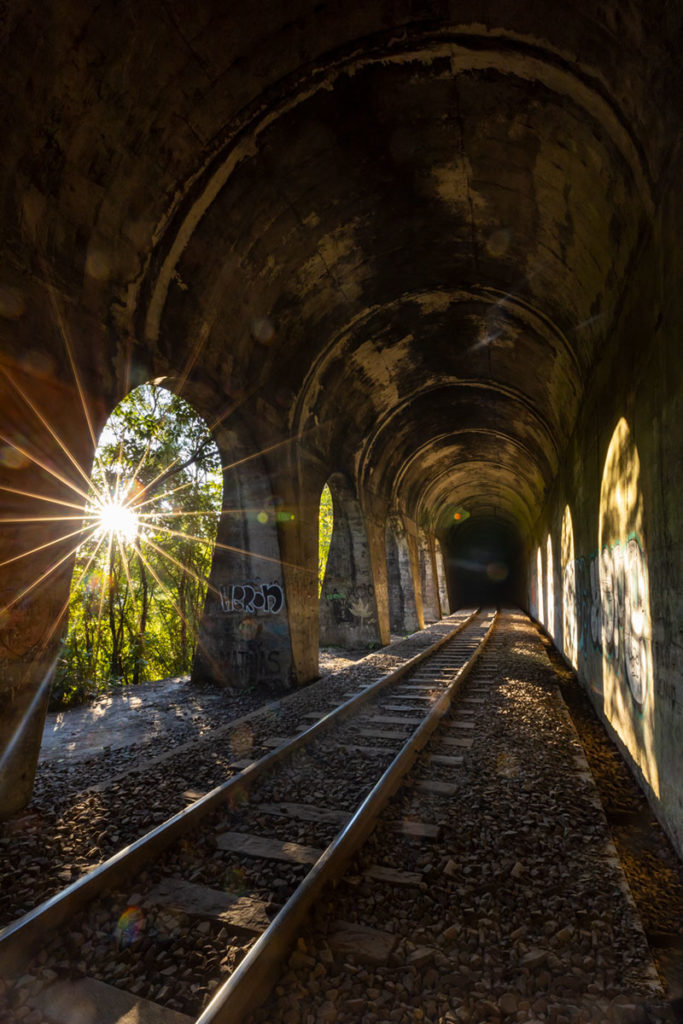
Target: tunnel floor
{"points": [[528, 860]]}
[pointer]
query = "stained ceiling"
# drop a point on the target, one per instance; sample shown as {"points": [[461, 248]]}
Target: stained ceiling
{"points": [[401, 230]]}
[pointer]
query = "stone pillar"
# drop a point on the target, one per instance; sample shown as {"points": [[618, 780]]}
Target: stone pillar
{"points": [[244, 636], [298, 490], [402, 605], [348, 609], [415, 580], [441, 579], [375, 532], [38, 480], [430, 597]]}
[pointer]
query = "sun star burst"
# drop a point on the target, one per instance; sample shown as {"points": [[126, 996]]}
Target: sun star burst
{"points": [[118, 519]]}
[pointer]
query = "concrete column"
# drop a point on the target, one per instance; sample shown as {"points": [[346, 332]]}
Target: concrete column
{"points": [[348, 609], [244, 636], [299, 493], [375, 532], [430, 597], [413, 542], [37, 478], [402, 605], [441, 579]]}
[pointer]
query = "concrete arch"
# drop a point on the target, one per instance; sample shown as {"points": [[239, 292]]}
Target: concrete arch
{"points": [[464, 53]]}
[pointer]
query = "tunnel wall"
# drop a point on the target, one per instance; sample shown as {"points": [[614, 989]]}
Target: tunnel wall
{"points": [[613, 606]]}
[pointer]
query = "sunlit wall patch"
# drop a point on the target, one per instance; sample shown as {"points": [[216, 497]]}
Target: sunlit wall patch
{"points": [[625, 622], [539, 578], [550, 587], [569, 602]]}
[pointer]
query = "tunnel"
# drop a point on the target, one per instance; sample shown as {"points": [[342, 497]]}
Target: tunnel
{"points": [[427, 250], [486, 564]]}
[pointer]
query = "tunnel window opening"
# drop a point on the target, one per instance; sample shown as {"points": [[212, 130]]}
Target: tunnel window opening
{"points": [[325, 530], [620, 615], [140, 577]]}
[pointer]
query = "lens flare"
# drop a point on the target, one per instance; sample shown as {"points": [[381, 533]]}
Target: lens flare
{"points": [[118, 519], [130, 927]]}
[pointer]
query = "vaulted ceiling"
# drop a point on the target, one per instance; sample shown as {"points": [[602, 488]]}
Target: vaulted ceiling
{"points": [[401, 228]]}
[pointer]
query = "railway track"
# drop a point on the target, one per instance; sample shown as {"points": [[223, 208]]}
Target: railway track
{"points": [[193, 920]]}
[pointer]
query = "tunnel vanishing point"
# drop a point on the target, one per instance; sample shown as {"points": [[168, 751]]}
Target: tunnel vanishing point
{"points": [[429, 252]]}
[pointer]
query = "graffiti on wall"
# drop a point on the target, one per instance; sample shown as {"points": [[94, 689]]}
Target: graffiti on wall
{"points": [[605, 609], [624, 613], [252, 598], [351, 604], [255, 663], [606, 619]]}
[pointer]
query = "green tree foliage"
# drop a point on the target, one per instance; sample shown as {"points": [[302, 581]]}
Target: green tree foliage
{"points": [[325, 524], [136, 602]]}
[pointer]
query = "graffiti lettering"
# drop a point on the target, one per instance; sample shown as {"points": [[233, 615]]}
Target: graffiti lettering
{"points": [[267, 598], [255, 663]]}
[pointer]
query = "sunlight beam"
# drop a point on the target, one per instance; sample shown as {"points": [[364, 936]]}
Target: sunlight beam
{"points": [[52, 432], [67, 344], [48, 469], [49, 544], [40, 579], [238, 551], [42, 497]]}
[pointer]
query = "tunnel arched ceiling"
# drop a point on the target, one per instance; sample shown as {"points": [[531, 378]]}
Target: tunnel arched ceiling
{"points": [[402, 235]]}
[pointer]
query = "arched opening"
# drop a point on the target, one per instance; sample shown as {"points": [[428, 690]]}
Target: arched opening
{"points": [[484, 563], [140, 577], [626, 626], [402, 609], [325, 529]]}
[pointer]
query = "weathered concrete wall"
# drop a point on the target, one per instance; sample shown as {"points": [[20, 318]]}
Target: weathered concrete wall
{"points": [[430, 597], [244, 639], [348, 608], [46, 452], [605, 576], [400, 577]]}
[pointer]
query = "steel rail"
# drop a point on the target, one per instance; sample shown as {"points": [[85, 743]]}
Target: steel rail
{"points": [[253, 979], [19, 938]]}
